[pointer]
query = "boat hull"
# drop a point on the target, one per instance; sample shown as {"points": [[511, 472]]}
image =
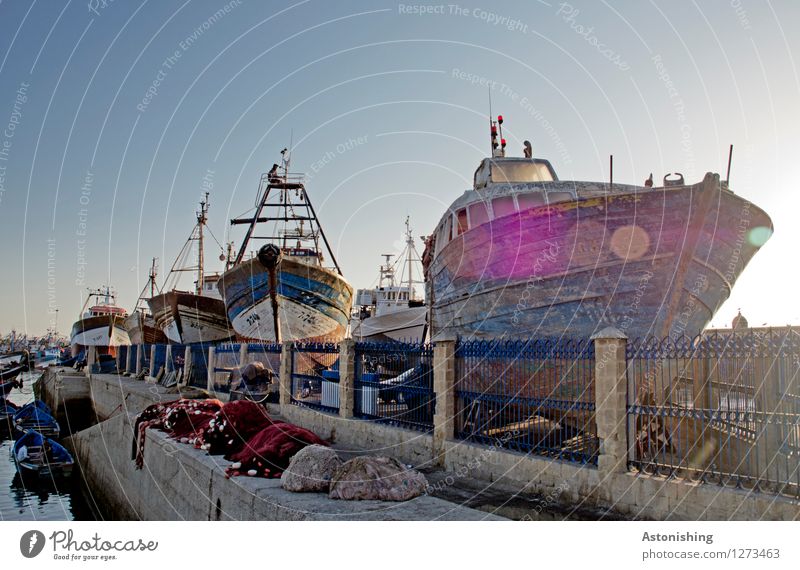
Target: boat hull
{"points": [[142, 329], [648, 262], [404, 325], [186, 318], [313, 302], [100, 331]]}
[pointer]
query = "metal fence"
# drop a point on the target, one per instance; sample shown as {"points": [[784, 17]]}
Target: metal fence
{"points": [[122, 357], [227, 357], [159, 357], [177, 357], [196, 371], [720, 408], [533, 396], [394, 383], [268, 354], [315, 375], [144, 352]]}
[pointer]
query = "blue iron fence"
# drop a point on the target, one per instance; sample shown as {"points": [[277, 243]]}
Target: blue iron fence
{"points": [[134, 350], [196, 372], [312, 383], [394, 383], [719, 408], [122, 357], [533, 396], [144, 351], [159, 359], [177, 357], [227, 357]]}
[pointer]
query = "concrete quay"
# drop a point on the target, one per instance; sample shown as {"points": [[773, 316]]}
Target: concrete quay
{"points": [[179, 482]]}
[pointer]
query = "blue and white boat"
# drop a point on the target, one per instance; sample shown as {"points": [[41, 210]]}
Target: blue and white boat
{"points": [[35, 454], [38, 417]]}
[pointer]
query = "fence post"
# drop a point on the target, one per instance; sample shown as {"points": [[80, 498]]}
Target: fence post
{"points": [[243, 352], [611, 412], [285, 386], [128, 358], [444, 380], [91, 358], [139, 358], [212, 357], [153, 373], [347, 378], [772, 439], [187, 366]]}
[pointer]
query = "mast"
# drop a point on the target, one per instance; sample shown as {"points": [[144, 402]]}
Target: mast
{"points": [[409, 249], [153, 274], [201, 221], [284, 209]]}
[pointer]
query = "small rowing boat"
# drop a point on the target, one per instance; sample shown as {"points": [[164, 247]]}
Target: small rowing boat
{"points": [[35, 454], [36, 416]]}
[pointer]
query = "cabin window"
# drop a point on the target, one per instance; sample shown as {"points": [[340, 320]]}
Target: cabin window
{"points": [[554, 197], [448, 228], [461, 216], [478, 214], [530, 200], [503, 206], [520, 172]]}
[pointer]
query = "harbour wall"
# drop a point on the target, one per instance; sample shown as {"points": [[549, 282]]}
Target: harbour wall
{"points": [[179, 482]]}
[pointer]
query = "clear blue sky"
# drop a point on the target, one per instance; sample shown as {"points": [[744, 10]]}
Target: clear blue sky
{"points": [[388, 113]]}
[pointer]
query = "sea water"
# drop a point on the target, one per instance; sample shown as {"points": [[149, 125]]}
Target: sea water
{"points": [[26, 499]]}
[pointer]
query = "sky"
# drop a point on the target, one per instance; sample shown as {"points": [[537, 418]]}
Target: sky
{"points": [[117, 116]]}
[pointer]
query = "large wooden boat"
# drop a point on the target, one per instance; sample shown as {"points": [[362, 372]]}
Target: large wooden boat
{"points": [[284, 292], [187, 317], [524, 255], [101, 325], [140, 324]]}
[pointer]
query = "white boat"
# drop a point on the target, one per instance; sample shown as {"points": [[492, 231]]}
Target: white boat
{"points": [[101, 325], [392, 310]]}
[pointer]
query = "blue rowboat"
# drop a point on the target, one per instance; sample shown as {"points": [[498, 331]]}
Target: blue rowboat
{"points": [[36, 416], [35, 454]]}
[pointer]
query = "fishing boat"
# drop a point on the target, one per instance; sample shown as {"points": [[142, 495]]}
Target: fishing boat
{"points": [[523, 254], [12, 365], [38, 455], [140, 324], [284, 291], [392, 310], [36, 416], [101, 325], [7, 411], [187, 317]]}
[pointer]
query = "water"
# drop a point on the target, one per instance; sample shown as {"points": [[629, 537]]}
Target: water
{"points": [[35, 500]]}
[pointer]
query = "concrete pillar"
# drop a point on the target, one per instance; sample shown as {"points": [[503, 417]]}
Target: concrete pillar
{"points": [[285, 386], [347, 378], [611, 389], [444, 380], [129, 359], [212, 357], [91, 358], [139, 358], [243, 352], [153, 373], [187, 365], [771, 439]]}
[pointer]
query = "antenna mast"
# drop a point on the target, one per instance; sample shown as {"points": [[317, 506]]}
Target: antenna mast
{"points": [[201, 221]]}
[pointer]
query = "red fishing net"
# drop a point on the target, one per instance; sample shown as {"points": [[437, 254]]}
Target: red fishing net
{"points": [[268, 453]]}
